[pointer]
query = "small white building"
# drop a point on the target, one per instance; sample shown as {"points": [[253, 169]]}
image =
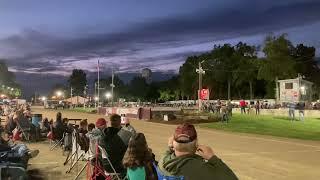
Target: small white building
{"points": [[294, 90]]}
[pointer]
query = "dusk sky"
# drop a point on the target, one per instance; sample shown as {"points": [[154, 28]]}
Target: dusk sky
{"points": [[54, 37]]}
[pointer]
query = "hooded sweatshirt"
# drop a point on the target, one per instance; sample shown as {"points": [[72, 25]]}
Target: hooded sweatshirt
{"points": [[194, 167]]}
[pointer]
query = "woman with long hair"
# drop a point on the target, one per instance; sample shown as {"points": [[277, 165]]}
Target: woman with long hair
{"points": [[138, 159]]}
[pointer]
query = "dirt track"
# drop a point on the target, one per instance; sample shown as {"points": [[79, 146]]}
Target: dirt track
{"points": [[250, 156]]}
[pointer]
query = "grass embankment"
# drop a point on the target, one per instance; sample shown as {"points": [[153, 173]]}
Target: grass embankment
{"points": [[269, 125]]}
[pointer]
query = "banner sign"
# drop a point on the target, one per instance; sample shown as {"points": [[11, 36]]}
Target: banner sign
{"points": [[204, 94], [120, 111]]}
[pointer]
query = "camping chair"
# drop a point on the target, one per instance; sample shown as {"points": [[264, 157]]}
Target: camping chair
{"points": [[56, 142], [104, 155], [11, 166], [93, 166], [165, 177], [76, 152], [25, 126], [89, 156], [12, 171]]}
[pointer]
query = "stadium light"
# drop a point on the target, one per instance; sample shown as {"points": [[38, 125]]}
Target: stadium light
{"points": [[59, 93], [108, 95], [96, 98], [43, 98]]}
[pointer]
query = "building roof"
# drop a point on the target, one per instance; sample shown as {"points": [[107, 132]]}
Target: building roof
{"points": [[293, 80]]}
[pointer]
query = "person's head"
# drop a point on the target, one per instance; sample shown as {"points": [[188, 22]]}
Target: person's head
{"points": [[115, 120], [84, 124], [101, 123], [185, 139], [138, 153], [59, 116], [91, 126], [65, 120]]}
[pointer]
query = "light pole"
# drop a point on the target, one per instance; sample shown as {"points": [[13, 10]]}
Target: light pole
{"points": [[200, 71], [95, 100], [112, 85]]}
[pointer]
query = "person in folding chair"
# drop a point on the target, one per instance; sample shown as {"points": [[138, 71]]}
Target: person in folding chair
{"points": [[15, 152], [139, 160], [185, 159], [95, 135], [24, 125], [115, 142], [58, 127]]}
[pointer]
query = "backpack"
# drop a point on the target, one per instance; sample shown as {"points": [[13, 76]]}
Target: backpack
{"points": [[164, 177]]}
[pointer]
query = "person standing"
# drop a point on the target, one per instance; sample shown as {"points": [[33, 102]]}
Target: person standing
{"points": [[301, 107], [243, 106], [291, 107], [229, 108], [218, 106], [257, 107]]}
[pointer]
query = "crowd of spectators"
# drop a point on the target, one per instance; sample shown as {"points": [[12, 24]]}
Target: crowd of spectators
{"points": [[127, 149], [15, 153], [130, 156]]}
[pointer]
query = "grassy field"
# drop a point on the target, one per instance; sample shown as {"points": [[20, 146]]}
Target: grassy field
{"points": [[81, 109], [269, 125]]}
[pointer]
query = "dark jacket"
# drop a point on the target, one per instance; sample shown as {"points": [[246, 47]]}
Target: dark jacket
{"points": [[195, 167], [115, 142]]}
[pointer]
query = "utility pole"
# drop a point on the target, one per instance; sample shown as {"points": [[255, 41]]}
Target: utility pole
{"points": [[200, 71], [95, 94], [85, 95], [112, 86], [98, 83], [71, 92]]}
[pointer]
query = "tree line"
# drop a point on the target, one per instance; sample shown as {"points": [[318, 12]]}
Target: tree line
{"points": [[235, 72], [8, 85]]}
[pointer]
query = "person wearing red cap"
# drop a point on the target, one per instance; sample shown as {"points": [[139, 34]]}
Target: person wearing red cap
{"points": [[192, 161], [101, 124], [95, 134]]}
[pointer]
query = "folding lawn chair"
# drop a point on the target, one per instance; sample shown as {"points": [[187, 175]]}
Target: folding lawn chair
{"points": [[76, 152], [11, 166], [104, 155], [25, 126], [56, 142], [12, 171]]}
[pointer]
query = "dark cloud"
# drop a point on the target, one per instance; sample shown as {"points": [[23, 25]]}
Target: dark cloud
{"points": [[138, 45], [168, 32]]}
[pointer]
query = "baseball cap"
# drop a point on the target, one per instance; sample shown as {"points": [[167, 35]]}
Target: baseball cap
{"points": [[101, 122], [185, 133]]}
